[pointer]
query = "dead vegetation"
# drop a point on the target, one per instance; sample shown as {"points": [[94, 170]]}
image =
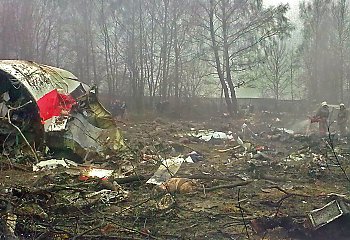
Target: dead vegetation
{"points": [[257, 185]]}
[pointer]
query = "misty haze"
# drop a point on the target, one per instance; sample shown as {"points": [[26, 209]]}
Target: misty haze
{"points": [[174, 119]]}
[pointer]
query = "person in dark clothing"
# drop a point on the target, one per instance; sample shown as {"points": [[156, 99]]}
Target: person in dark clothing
{"points": [[342, 119], [322, 115], [119, 109], [122, 111], [162, 107]]}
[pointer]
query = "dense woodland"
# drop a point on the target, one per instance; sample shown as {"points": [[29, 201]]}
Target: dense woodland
{"points": [[186, 48]]}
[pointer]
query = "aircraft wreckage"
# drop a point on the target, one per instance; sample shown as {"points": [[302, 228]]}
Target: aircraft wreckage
{"points": [[44, 107]]}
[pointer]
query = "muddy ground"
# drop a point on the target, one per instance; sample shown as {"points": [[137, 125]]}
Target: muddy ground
{"points": [[233, 192]]}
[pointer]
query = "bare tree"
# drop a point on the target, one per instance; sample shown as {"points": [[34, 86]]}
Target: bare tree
{"points": [[317, 22], [236, 29], [341, 18], [276, 68], [141, 48]]}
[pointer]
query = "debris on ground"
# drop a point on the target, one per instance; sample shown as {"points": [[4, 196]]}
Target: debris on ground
{"points": [[53, 163], [69, 173], [47, 108], [167, 169], [328, 213]]}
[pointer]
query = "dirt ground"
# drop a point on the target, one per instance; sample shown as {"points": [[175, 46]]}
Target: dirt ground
{"points": [[263, 189]]}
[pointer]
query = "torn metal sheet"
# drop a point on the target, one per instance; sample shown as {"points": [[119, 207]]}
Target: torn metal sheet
{"points": [[53, 163], [99, 116], [100, 173], [291, 132], [50, 87], [92, 138], [108, 196], [64, 110], [207, 135], [167, 170], [40, 79], [6, 96], [56, 123], [3, 109], [328, 213]]}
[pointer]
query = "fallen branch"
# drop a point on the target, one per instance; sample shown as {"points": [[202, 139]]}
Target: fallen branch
{"points": [[287, 195], [149, 236], [245, 217], [185, 146], [89, 230], [208, 177], [330, 144], [132, 207], [228, 149], [275, 178], [112, 237], [242, 213], [228, 186]]}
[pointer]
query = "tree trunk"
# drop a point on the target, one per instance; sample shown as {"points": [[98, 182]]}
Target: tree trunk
{"points": [[227, 58], [217, 59], [164, 82]]}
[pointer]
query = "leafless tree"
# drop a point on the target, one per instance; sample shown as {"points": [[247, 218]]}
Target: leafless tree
{"points": [[236, 29], [141, 48], [341, 18], [276, 68]]}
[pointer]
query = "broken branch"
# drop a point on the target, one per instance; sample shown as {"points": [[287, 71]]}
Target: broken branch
{"points": [[228, 186], [19, 130]]}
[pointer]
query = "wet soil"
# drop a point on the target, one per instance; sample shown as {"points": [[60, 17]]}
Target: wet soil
{"points": [[279, 189]]}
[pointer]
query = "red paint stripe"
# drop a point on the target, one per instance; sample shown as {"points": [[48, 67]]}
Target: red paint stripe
{"points": [[55, 104]]}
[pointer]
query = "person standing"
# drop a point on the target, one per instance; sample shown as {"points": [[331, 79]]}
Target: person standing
{"points": [[342, 119], [123, 110], [322, 115], [119, 109]]}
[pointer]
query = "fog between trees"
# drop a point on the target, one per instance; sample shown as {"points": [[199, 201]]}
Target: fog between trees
{"points": [[185, 48]]}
